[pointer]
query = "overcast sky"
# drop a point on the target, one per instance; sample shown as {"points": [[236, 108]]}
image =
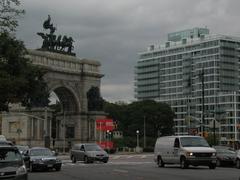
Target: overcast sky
{"points": [[115, 31]]}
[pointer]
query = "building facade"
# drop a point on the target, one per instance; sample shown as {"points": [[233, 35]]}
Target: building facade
{"points": [[197, 74]]}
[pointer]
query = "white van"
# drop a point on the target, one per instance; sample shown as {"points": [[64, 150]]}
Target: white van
{"points": [[184, 150]]}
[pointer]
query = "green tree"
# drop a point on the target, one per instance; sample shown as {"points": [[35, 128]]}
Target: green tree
{"points": [[20, 80], [9, 12], [158, 118], [130, 117]]}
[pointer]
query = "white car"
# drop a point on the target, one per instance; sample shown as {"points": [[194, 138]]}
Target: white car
{"points": [[238, 159], [2, 138]]}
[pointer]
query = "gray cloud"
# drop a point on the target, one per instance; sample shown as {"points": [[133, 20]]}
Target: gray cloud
{"points": [[114, 32]]}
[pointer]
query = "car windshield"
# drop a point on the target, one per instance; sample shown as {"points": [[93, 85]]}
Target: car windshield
{"points": [[93, 147], [224, 151], [22, 148], [41, 152], [194, 142], [9, 154]]}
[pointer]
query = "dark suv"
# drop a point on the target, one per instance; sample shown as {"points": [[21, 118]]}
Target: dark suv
{"points": [[11, 162]]}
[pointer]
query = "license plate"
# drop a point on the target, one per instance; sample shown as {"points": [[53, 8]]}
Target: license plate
{"points": [[49, 165]]}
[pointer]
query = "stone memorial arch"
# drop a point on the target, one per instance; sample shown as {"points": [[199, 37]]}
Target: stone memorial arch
{"points": [[76, 82]]}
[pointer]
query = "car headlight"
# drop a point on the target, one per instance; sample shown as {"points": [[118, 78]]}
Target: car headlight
{"points": [[213, 154], [58, 161], [21, 170], [38, 161], [189, 154]]}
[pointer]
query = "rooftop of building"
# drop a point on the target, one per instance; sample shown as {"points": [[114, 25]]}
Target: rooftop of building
{"points": [[188, 37]]}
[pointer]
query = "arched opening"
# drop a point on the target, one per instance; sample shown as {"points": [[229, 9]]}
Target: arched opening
{"points": [[66, 99], [66, 108]]}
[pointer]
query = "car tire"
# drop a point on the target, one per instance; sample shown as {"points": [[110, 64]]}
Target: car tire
{"points": [[212, 166], [86, 160], [160, 162], [183, 163], [105, 161], [58, 168], [238, 163], [73, 159], [218, 163], [31, 167]]}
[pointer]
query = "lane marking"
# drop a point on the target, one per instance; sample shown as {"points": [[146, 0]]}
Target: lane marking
{"points": [[120, 170]]}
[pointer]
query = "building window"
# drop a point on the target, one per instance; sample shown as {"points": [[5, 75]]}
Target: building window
{"points": [[70, 132], [13, 126]]}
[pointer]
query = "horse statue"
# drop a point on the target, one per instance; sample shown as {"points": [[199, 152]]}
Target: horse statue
{"points": [[45, 44], [67, 42], [47, 25]]}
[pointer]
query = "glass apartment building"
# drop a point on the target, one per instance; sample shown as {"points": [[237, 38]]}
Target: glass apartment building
{"points": [[197, 74]]}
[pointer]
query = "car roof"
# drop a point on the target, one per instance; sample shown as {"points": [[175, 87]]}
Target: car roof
{"points": [[85, 144], [38, 148], [180, 136], [2, 143], [7, 144]]}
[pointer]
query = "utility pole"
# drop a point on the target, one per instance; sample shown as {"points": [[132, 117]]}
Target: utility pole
{"points": [[203, 112], [144, 131]]}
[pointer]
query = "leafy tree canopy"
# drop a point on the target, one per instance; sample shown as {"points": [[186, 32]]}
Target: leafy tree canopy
{"points": [[9, 13], [130, 117], [20, 81]]}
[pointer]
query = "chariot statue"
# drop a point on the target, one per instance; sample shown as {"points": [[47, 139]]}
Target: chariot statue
{"points": [[52, 42]]}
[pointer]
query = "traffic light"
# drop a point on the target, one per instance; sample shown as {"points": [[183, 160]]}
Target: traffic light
{"points": [[205, 134]]}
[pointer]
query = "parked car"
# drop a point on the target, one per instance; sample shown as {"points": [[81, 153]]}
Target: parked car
{"points": [[184, 150], [41, 158], [11, 162], [22, 148], [237, 160], [88, 152], [225, 157]]}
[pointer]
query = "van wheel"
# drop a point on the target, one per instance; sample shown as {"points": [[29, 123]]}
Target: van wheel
{"points": [[86, 160], [183, 163], [160, 162], [238, 164], [212, 166], [73, 159], [218, 163]]}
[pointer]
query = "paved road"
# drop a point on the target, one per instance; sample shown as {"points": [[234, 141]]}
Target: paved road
{"points": [[133, 167]]}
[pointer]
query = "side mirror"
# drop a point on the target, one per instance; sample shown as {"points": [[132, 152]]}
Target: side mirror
{"points": [[26, 158], [55, 153]]}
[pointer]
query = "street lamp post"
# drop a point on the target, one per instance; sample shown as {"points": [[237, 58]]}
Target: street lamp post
{"points": [[137, 132], [108, 139], [64, 132]]}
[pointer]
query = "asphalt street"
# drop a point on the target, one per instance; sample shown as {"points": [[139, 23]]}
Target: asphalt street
{"points": [[133, 167]]}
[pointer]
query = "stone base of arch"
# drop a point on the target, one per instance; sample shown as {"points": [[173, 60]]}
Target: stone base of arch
{"points": [[79, 128]]}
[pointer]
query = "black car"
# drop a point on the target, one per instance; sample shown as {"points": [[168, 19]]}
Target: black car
{"points": [[11, 162], [225, 157], [41, 158]]}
